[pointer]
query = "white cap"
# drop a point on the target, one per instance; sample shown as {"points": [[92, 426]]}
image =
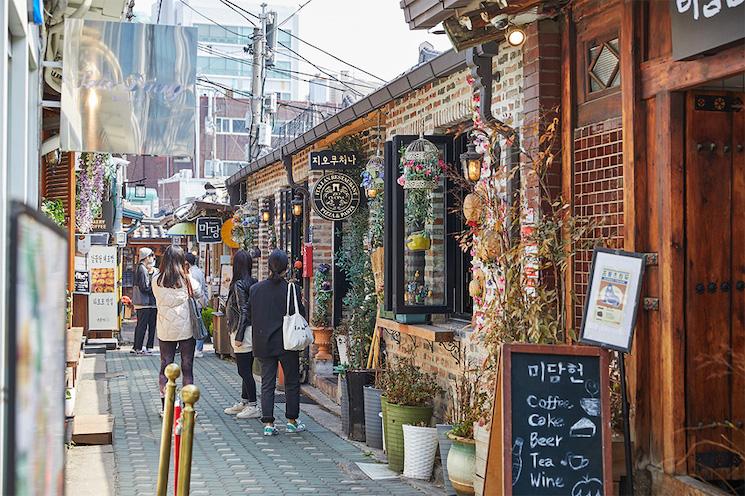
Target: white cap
{"points": [[144, 253]]}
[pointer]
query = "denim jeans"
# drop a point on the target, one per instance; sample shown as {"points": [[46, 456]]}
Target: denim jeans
{"points": [[200, 344]]}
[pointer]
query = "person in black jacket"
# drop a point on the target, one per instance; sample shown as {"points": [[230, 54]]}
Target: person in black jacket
{"points": [[268, 305], [237, 318], [144, 302]]}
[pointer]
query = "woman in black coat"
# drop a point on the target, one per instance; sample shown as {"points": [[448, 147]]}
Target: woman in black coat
{"points": [[268, 304], [238, 319]]}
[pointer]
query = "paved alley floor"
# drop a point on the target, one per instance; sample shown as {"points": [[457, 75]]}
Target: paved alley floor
{"points": [[231, 456]]}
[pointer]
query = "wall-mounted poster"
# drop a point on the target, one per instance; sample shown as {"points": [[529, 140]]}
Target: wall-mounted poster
{"points": [[82, 282], [102, 302], [612, 299], [226, 277], [35, 437]]}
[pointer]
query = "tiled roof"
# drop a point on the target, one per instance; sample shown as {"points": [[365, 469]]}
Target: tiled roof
{"points": [[150, 231]]}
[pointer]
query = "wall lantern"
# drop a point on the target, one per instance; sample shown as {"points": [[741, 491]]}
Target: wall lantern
{"points": [[515, 36], [471, 162], [140, 191], [297, 206], [266, 214]]}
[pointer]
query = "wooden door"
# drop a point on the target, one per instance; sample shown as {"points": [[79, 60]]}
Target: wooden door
{"points": [[715, 301]]}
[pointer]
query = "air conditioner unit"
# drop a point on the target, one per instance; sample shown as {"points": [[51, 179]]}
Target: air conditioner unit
{"points": [[270, 103], [265, 134]]}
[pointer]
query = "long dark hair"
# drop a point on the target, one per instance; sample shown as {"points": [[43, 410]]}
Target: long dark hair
{"points": [[242, 267], [172, 268], [277, 265]]}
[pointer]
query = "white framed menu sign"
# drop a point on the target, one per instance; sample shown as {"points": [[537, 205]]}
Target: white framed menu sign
{"points": [[102, 300], [613, 298]]}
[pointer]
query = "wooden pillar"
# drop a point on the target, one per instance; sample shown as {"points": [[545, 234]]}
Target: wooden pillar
{"points": [[568, 99]]}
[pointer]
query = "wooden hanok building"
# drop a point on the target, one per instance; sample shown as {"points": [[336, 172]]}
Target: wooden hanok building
{"points": [[653, 130]]}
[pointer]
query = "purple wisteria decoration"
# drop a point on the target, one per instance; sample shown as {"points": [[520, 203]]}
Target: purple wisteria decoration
{"points": [[90, 190]]}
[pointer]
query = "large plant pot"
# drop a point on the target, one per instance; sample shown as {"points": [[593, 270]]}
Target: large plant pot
{"points": [[373, 425], [445, 443], [356, 381], [344, 406], [461, 465], [395, 416], [481, 438], [420, 448], [322, 339]]}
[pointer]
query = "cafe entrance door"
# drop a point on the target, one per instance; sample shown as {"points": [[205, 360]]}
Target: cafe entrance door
{"points": [[715, 287]]}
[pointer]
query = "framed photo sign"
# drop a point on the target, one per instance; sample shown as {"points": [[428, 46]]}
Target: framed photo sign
{"points": [[612, 299]]}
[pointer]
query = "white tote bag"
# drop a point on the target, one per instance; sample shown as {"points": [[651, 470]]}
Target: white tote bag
{"points": [[295, 329]]}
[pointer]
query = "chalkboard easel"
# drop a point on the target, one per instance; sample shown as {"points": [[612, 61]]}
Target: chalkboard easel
{"points": [[550, 432]]}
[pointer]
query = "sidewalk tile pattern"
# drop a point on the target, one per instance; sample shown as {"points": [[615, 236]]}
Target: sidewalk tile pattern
{"points": [[231, 457]]}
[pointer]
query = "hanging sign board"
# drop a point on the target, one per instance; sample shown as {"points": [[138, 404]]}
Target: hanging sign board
{"points": [[336, 196], [102, 302], [209, 230], [612, 299], [551, 430], [82, 282], [701, 25], [327, 159], [226, 277]]}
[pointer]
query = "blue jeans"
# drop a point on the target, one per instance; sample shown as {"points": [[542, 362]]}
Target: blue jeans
{"points": [[200, 344]]}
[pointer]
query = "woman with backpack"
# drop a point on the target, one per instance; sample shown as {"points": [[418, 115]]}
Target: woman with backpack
{"points": [[173, 288], [238, 320], [269, 303]]}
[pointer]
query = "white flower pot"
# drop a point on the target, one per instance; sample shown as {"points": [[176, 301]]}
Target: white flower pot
{"points": [[69, 402], [420, 447]]}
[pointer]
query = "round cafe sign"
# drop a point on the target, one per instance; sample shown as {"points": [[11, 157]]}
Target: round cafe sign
{"points": [[336, 196]]}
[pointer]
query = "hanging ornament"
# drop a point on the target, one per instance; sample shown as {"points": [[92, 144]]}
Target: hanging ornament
{"points": [[372, 177], [422, 167], [472, 207]]}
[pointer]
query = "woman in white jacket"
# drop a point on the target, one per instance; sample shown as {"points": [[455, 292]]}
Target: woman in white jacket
{"points": [[172, 288]]}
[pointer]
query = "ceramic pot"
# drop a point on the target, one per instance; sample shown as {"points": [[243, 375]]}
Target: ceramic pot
{"points": [[395, 416], [322, 339], [461, 465]]}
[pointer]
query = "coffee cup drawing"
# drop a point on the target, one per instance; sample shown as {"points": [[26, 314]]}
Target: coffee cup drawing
{"points": [[575, 462], [591, 406]]}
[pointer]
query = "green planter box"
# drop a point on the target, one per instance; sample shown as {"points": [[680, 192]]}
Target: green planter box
{"points": [[394, 417]]}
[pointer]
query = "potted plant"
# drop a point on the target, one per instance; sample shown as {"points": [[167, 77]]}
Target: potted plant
{"points": [[321, 318], [408, 394], [420, 447]]}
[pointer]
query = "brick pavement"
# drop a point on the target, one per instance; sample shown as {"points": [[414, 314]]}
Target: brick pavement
{"points": [[231, 457]]}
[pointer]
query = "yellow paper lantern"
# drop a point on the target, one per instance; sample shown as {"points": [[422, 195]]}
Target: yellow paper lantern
{"points": [[227, 233], [472, 207]]}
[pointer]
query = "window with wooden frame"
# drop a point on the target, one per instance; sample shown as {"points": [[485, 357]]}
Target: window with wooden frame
{"points": [[602, 66]]}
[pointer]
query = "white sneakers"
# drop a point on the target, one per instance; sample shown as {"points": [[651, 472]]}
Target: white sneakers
{"points": [[198, 354], [251, 411], [235, 409], [243, 410]]}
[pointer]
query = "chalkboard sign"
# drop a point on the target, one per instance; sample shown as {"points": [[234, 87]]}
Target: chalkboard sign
{"points": [[554, 423]]}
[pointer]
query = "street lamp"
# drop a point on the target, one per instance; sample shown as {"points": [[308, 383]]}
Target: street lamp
{"points": [[297, 206], [515, 36], [471, 163]]}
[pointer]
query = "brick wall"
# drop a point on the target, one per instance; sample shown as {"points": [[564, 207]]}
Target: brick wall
{"points": [[598, 193]]}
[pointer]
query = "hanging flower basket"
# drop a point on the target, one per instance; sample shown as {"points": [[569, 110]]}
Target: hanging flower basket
{"points": [[421, 164]]}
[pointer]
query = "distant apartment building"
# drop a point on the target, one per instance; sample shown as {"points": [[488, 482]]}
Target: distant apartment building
{"points": [[339, 89]]}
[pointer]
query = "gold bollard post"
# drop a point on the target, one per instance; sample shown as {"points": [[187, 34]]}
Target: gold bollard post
{"points": [[172, 372], [189, 396]]}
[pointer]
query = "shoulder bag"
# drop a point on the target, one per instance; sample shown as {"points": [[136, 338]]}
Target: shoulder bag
{"points": [[296, 332], [198, 329]]}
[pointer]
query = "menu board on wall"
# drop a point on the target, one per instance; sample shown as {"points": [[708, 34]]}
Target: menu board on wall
{"points": [[553, 422], [102, 302]]}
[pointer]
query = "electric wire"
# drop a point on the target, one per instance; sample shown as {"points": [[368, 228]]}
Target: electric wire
{"points": [[294, 13], [215, 22], [327, 73], [238, 11]]}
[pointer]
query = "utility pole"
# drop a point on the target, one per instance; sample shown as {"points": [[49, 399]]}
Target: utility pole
{"points": [[257, 90]]}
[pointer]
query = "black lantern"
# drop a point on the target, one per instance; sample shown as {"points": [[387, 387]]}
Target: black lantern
{"points": [[471, 162], [266, 214], [297, 206]]}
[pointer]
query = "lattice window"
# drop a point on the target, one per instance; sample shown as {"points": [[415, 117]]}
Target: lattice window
{"points": [[603, 66]]}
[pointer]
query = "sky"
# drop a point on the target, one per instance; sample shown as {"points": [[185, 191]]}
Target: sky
{"points": [[371, 34]]}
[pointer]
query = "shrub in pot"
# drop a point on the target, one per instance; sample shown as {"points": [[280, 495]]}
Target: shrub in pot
{"points": [[321, 317], [408, 400]]}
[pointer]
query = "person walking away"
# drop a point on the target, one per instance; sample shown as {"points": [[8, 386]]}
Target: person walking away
{"points": [[268, 305], [237, 318], [173, 287], [144, 302], [198, 274]]}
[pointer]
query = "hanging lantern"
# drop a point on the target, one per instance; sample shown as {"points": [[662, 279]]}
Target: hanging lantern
{"points": [[372, 177], [266, 214], [471, 161], [422, 165], [297, 206], [472, 207]]}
